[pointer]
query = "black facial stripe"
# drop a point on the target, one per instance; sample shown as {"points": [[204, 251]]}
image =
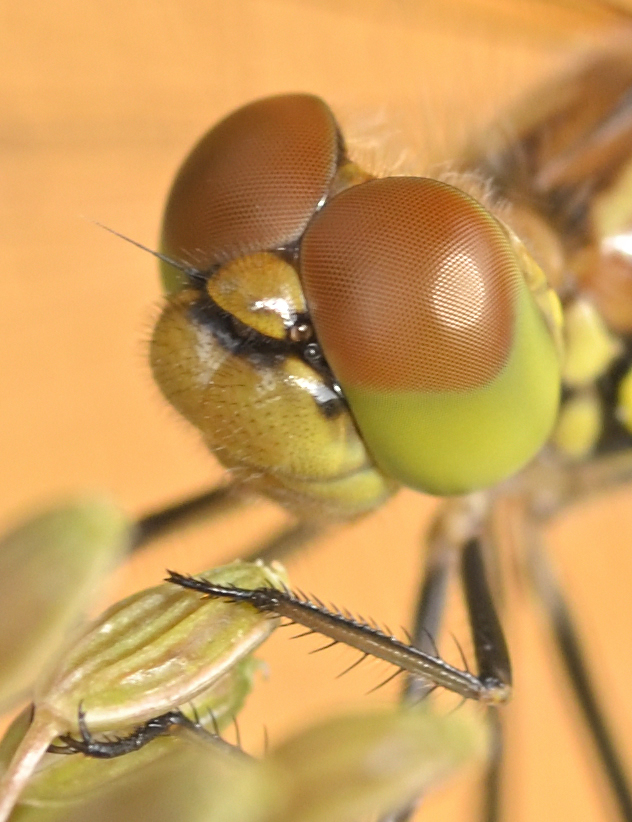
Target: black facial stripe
{"points": [[241, 340]]}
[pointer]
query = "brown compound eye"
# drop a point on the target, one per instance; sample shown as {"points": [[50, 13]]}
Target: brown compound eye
{"points": [[419, 302], [411, 286], [252, 182]]}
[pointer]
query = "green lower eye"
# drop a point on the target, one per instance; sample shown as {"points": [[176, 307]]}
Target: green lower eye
{"points": [[450, 442]]}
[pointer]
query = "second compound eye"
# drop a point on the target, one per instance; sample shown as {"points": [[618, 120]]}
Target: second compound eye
{"points": [[424, 315], [252, 182]]}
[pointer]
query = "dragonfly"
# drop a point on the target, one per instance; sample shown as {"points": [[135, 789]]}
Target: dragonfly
{"points": [[342, 597]]}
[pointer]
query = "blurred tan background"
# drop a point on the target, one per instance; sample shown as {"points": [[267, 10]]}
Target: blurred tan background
{"points": [[97, 108]]}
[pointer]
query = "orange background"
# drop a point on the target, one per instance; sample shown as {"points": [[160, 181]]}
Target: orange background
{"points": [[98, 104]]}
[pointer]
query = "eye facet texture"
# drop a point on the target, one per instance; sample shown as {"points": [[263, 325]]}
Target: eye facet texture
{"points": [[411, 285], [423, 313], [252, 182]]}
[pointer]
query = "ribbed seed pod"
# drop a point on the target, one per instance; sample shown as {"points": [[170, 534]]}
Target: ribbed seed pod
{"points": [[152, 652]]}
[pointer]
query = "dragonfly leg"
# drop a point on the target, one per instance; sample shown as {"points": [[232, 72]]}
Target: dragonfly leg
{"points": [[460, 535], [490, 647], [89, 746], [438, 570], [568, 645], [493, 664], [444, 546], [208, 505], [457, 535], [492, 788], [161, 725], [492, 686]]}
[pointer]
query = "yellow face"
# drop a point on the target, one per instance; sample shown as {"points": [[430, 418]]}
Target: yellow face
{"points": [[332, 335], [234, 350]]}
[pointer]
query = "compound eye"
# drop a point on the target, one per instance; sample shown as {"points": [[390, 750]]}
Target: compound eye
{"points": [[252, 182], [419, 302]]}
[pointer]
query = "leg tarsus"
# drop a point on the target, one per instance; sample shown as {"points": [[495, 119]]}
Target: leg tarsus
{"points": [[120, 746]]}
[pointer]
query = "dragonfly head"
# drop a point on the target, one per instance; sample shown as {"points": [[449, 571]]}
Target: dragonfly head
{"points": [[430, 316]]}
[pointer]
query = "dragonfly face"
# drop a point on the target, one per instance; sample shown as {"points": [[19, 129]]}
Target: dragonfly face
{"points": [[419, 312]]}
